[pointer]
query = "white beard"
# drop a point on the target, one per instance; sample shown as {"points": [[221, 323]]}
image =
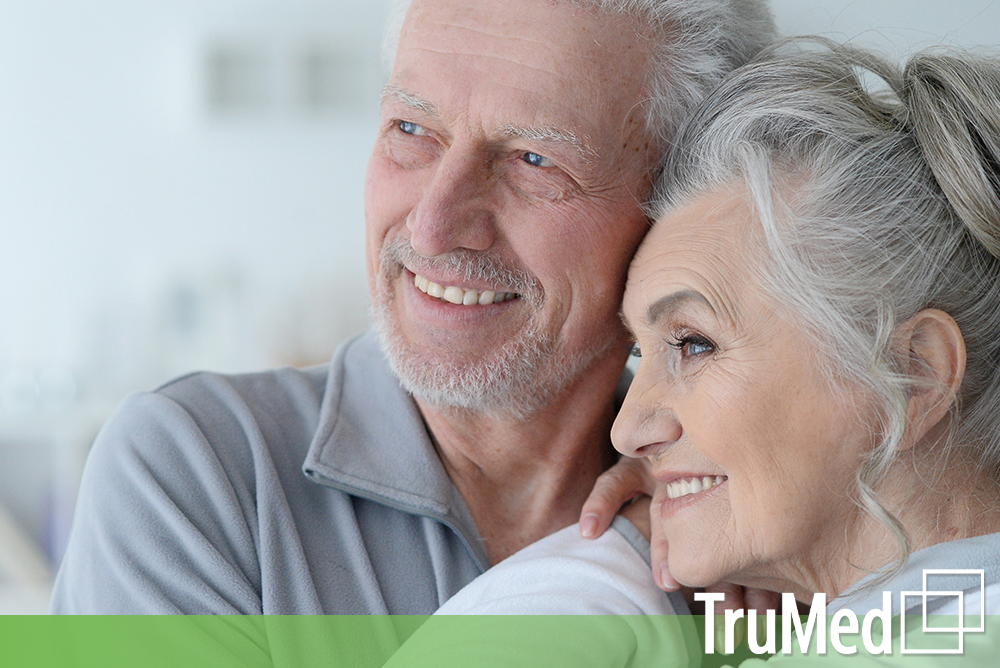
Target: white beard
{"points": [[514, 381]]}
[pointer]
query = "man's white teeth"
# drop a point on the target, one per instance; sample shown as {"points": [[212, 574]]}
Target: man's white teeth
{"points": [[457, 295], [679, 488]]}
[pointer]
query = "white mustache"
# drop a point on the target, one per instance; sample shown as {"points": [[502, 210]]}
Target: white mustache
{"points": [[472, 266]]}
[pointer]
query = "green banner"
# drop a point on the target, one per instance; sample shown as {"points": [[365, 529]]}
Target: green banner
{"points": [[484, 641]]}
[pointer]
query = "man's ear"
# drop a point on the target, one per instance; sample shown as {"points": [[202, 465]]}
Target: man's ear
{"points": [[934, 349]]}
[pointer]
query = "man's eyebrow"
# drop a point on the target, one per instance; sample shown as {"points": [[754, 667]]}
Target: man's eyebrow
{"points": [[544, 133], [409, 98], [667, 303], [548, 133]]}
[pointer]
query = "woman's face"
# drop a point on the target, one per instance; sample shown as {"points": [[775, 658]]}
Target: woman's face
{"points": [[754, 450]]}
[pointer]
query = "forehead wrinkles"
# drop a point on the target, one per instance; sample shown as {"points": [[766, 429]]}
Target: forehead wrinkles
{"points": [[495, 39], [480, 33], [501, 62], [707, 249], [549, 37]]}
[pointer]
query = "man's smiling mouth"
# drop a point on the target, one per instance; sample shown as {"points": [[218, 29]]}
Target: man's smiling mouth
{"points": [[462, 296]]}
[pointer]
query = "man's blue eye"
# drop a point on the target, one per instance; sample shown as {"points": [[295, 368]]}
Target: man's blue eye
{"points": [[410, 128], [536, 160]]}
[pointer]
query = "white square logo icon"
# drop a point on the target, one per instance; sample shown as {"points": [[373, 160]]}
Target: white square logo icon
{"points": [[951, 576]]}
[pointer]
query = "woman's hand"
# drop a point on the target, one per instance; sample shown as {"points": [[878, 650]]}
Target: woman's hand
{"points": [[620, 484]]}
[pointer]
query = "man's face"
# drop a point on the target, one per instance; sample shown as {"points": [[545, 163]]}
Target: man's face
{"points": [[503, 198]]}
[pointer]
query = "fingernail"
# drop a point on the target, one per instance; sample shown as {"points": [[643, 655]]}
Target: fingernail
{"points": [[588, 526], [667, 580]]}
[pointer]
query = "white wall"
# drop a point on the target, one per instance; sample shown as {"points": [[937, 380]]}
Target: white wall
{"points": [[146, 230], [132, 212], [895, 26]]}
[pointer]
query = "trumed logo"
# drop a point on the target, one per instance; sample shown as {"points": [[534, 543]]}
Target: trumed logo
{"points": [[944, 596], [936, 606]]}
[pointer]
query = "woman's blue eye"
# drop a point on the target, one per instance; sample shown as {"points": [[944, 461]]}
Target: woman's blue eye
{"points": [[696, 347], [536, 160], [410, 128], [693, 345]]}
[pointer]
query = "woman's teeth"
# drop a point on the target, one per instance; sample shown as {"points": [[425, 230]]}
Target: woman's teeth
{"points": [[679, 488], [457, 295]]}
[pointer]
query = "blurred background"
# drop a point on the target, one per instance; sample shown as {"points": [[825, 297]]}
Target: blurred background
{"points": [[181, 188]]}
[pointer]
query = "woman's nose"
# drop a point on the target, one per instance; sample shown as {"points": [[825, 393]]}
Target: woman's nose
{"points": [[455, 208], [646, 424]]}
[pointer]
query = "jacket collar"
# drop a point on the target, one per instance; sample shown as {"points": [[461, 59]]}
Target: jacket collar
{"points": [[977, 553], [372, 442]]}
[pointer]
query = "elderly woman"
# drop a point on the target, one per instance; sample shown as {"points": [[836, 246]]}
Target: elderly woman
{"points": [[818, 314], [817, 310]]}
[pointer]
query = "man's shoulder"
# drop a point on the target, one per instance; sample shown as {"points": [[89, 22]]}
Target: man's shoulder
{"points": [[285, 404], [189, 481], [280, 393], [258, 492]]}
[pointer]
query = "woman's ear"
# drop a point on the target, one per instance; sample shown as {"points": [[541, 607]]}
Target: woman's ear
{"points": [[934, 349]]}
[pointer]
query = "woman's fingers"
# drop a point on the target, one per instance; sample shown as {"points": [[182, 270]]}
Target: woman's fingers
{"points": [[735, 596], [746, 598], [761, 600], [615, 487], [658, 547], [637, 512]]}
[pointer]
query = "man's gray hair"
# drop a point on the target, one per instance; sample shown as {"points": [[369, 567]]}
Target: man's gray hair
{"points": [[693, 44], [876, 203]]}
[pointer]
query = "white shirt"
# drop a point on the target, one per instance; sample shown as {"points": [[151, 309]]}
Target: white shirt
{"points": [[606, 576], [600, 606]]}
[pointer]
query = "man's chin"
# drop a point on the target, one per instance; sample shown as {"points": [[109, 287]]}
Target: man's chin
{"points": [[510, 381], [513, 381]]}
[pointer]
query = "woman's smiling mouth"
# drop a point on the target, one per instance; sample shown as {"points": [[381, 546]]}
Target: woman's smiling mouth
{"points": [[693, 485]]}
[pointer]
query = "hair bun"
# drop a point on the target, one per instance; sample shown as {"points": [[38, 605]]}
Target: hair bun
{"points": [[954, 113]]}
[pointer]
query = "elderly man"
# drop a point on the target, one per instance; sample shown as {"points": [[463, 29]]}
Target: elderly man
{"points": [[503, 203]]}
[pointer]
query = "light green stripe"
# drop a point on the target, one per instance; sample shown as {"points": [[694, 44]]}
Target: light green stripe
{"points": [[371, 641]]}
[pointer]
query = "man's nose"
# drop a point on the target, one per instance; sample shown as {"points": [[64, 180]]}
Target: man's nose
{"points": [[456, 206], [647, 423]]}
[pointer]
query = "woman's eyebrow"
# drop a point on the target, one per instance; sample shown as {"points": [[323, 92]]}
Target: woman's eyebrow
{"points": [[670, 302], [621, 316], [664, 305]]}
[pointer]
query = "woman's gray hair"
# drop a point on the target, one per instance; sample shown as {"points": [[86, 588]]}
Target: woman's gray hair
{"points": [[875, 204], [693, 43]]}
